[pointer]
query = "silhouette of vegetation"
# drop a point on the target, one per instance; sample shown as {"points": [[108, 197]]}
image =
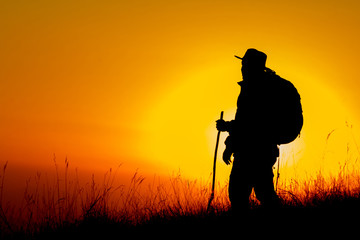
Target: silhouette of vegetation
{"points": [[65, 208]]}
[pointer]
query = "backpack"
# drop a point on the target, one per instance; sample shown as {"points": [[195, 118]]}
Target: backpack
{"points": [[288, 119]]}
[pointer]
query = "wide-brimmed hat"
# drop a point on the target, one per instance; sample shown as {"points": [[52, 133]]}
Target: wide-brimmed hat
{"points": [[254, 58]]}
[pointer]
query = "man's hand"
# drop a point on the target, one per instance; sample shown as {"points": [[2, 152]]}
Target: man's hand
{"points": [[227, 156], [221, 125]]}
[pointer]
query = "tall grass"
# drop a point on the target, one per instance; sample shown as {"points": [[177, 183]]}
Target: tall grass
{"points": [[321, 191], [48, 204], [55, 203]]}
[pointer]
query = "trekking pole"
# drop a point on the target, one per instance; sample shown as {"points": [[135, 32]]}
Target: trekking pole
{"points": [[214, 167], [277, 175]]}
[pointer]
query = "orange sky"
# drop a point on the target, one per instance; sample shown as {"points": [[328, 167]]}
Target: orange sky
{"points": [[142, 82]]}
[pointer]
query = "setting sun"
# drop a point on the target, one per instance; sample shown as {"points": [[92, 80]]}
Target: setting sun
{"points": [[181, 126]]}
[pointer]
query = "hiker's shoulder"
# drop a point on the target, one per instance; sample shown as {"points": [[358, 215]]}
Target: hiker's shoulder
{"points": [[276, 81]]}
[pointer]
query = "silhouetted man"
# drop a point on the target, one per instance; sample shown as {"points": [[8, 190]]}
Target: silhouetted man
{"points": [[251, 137]]}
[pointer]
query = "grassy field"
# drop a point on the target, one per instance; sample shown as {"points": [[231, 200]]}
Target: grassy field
{"points": [[64, 208]]}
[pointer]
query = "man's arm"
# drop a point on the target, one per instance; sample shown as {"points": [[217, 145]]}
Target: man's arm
{"points": [[225, 126]]}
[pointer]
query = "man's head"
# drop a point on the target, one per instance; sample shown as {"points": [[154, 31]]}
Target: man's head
{"points": [[253, 63]]}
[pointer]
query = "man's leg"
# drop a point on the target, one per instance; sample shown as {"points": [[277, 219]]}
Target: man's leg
{"points": [[264, 188], [239, 190]]}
